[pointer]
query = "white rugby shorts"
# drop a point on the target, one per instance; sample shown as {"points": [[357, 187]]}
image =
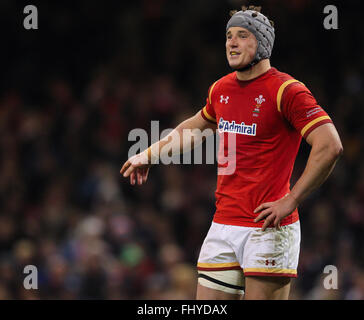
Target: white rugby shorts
{"points": [[258, 253]]}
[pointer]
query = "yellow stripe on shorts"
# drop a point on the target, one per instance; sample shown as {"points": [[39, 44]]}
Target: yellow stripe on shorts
{"points": [[218, 265], [271, 270]]}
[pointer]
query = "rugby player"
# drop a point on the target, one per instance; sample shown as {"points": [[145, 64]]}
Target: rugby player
{"points": [[252, 248]]}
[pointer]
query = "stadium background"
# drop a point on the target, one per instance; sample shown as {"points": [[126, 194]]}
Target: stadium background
{"points": [[72, 90]]}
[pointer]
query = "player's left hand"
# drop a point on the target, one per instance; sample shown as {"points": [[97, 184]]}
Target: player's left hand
{"points": [[275, 211]]}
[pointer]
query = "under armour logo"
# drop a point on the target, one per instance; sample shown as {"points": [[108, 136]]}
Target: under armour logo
{"points": [[267, 262], [222, 99]]}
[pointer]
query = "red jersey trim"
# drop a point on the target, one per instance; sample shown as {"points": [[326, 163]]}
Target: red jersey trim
{"points": [[219, 269], [292, 218], [206, 116], [281, 90], [212, 88], [218, 266], [270, 272], [314, 124], [267, 274]]}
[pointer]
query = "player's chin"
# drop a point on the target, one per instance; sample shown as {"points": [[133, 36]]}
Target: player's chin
{"points": [[236, 65]]}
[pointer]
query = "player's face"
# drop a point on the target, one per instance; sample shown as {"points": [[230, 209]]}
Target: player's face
{"points": [[241, 46]]}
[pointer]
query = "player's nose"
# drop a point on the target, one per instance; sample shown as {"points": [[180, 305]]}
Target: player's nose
{"points": [[233, 42]]}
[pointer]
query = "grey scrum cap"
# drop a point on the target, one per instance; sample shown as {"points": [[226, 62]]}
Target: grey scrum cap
{"points": [[259, 25]]}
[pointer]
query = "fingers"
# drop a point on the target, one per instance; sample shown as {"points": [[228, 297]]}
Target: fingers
{"points": [[270, 217], [277, 223], [263, 214], [129, 166], [139, 176], [128, 171], [145, 174], [268, 222], [267, 213], [139, 173], [263, 206], [273, 212], [125, 166], [132, 178]]}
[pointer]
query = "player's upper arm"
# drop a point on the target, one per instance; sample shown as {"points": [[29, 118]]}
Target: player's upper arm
{"points": [[326, 136], [207, 114], [301, 109], [199, 122]]}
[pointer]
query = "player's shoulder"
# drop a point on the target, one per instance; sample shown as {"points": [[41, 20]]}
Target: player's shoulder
{"points": [[224, 81], [286, 82], [279, 76]]}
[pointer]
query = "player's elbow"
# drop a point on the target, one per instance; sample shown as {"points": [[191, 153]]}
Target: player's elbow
{"points": [[335, 149], [330, 150], [340, 150]]}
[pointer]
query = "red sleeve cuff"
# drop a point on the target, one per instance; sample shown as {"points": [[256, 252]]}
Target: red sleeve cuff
{"points": [[313, 125], [206, 116]]}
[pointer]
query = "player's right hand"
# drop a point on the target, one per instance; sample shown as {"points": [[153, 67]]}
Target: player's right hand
{"points": [[137, 168]]}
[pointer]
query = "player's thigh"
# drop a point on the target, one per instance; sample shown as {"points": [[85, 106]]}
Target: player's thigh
{"points": [[220, 285], [267, 288], [205, 293]]}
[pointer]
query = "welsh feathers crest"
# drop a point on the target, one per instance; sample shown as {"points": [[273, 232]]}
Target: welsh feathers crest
{"points": [[260, 99]]}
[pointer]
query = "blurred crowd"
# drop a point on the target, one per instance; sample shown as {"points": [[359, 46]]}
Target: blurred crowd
{"points": [[71, 93]]}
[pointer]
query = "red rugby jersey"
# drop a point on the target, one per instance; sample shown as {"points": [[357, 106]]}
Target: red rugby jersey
{"points": [[268, 116]]}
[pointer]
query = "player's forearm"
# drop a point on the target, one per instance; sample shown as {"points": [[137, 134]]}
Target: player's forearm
{"points": [[320, 164], [186, 136], [174, 140]]}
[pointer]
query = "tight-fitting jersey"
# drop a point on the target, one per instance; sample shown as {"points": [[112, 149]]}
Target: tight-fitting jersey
{"points": [[268, 116]]}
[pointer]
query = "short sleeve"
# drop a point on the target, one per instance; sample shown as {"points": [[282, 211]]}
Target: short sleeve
{"points": [[301, 110], [208, 111]]}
